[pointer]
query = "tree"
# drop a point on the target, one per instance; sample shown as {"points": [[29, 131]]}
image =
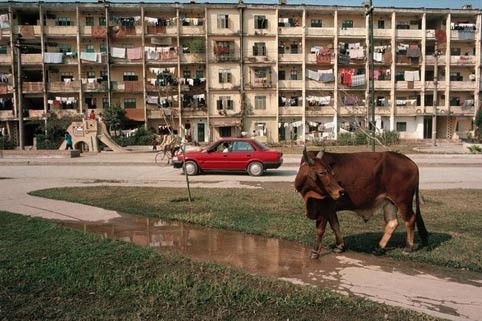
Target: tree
{"points": [[114, 117], [478, 125]]}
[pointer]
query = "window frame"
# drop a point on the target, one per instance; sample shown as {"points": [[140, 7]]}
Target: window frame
{"points": [[260, 102], [130, 103]]}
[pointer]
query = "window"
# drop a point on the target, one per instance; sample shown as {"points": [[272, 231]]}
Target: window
{"points": [[455, 76], [224, 102], [3, 50], [64, 47], [224, 76], [104, 75], [346, 24], [102, 21], [401, 126], [91, 74], [66, 75], [129, 103], [64, 21], [260, 22], [199, 74], [223, 21], [130, 76], [259, 49], [316, 23], [260, 129], [90, 48], [455, 51], [260, 102], [103, 47], [381, 24], [186, 73], [242, 147], [281, 75], [89, 21], [225, 131], [294, 74], [105, 102]]}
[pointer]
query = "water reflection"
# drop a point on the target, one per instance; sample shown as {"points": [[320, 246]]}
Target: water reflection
{"points": [[407, 284]]}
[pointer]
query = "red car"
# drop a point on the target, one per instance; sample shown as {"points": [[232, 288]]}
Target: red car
{"points": [[231, 154]]}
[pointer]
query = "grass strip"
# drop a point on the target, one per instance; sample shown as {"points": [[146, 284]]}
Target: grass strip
{"points": [[48, 272], [452, 217]]}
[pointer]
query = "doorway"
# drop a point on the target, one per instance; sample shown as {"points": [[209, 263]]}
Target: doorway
{"points": [[427, 127], [200, 132]]}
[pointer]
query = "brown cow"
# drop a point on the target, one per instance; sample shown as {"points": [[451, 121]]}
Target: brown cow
{"points": [[364, 183]]}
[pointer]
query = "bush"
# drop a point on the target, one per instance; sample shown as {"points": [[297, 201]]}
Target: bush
{"points": [[475, 149], [5, 143], [389, 137], [141, 137], [56, 129]]}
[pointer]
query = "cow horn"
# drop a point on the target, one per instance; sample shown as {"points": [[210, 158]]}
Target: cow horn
{"points": [[319, 155], [307, 158]]}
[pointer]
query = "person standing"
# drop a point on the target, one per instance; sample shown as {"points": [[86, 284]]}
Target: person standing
{"points": [[92, 115], [68, 141]]}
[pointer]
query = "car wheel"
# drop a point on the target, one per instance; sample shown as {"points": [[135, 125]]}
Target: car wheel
{"points": [[191, 168], [255, 169]]}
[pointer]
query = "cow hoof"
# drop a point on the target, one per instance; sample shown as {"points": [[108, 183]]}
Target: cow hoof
{"points": [[314, 255], [339, 249], [379, 251], [408, 249]]}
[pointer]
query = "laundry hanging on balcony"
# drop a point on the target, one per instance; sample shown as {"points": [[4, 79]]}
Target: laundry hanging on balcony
{"points": [[53, 57], [118, 52], [134, 53], [91, 56]]}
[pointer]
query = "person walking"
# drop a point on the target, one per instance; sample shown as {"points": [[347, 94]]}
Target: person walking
{"points": [[68, 141]]}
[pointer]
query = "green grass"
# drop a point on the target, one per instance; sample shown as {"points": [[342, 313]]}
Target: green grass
{"points": [[452, 217], [48, 272]]}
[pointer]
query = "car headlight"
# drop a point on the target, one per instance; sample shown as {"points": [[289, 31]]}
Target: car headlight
{"points": [[175, 158]]}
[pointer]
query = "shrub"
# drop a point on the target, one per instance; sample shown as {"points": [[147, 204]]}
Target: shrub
{"points": [[475, 149], [141, 137]]}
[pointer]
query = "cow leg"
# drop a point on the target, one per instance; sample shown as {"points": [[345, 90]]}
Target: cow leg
{"points": [[391, 223], [335, 226], [409, 217], [320, 230]]}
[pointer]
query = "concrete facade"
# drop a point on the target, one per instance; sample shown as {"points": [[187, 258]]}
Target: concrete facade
{"points": [[283, 72]]}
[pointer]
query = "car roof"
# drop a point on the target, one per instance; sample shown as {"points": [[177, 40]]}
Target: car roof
{"points": [[237, 139]]}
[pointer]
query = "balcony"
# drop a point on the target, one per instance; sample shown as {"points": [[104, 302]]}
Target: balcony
{"points": [[99, 32], [66, 113], [257, 59], [290, 84], [5, 59], [430, 60], [31, 59], [61, 31], [430, 85], [192, 30], [382, 33], [462, 110], [382, 111], [260, 83], [462, 35], [383, 84], [193, 58], [408, 85], [290, 57], [36, 113], [28, 31], [463, 85], [94, 86], [6, 89], [407, 110], [6, 114], [352, 32], [195, 112], [314, 111], [318, 85], [290, 31], [62, 86], [290, 111], [352, 110], [409, 33], [32, 87], [161, 113], [320, 32], [463, 60], [319, 59], [127, 86]]}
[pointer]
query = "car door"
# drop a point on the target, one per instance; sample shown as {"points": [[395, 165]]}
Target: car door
{"points": [[216, 159], [241, 154]]}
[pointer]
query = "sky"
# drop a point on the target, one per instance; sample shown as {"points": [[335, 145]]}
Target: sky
{"points": [[452, 4]]}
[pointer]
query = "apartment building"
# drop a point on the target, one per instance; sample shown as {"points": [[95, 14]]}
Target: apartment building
{"points": [[281, 72]]}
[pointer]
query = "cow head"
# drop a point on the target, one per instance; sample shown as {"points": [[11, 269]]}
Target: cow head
{"points": [[315, 182]]}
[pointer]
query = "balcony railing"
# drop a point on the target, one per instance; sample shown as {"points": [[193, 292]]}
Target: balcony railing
{"points": [[287, 57], [192, 30], [462, 35], [28, 59], [320, 110], [407, 110], [127, 86], [32, 87], [463, 85], [61, 31], [66, 112], [5, 58], [94, 86], [462, 60], [290, 84], [290, 111], [313, 84], [36, 113], [352, 32], [320, 32], [290, 31], [6, 114], [193, 58], [62, 86], [462, 110], [409, 85], [409, 33]]}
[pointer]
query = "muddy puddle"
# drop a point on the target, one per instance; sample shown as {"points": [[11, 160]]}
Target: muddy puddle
{"points": [[440, 292]]}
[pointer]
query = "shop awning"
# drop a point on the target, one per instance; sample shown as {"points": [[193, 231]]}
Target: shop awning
{"points": [[135, 114], [224, 122]]}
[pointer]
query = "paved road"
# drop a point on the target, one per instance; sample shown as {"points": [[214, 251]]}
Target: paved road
{"points": [[437, 172]]}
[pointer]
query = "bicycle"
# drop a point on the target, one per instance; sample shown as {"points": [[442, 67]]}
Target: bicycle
{"points": [[170, 149]]}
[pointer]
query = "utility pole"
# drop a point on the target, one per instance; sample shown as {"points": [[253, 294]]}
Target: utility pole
{"points": [[19, 92], [371, 69]]}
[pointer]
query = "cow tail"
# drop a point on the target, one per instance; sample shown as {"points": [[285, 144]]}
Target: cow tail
{"points": [[422, 231]]}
